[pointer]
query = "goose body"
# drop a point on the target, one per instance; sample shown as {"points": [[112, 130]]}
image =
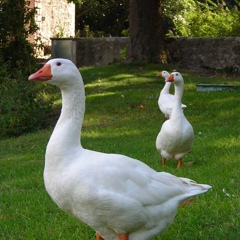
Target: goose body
{"points": [[176, 136], [166, 100], [119, 197]]}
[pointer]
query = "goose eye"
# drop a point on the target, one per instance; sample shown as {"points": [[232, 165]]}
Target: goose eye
{"points": [[59, 64]]}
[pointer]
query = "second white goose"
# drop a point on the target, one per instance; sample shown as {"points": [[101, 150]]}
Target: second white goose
{"points": [[166, 100], [175, 138]]}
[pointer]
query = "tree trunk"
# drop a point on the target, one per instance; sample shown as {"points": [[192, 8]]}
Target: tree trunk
{"points": [[146, 41]]}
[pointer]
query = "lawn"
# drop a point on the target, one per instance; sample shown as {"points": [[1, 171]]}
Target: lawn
{"points": [[122, 116]]}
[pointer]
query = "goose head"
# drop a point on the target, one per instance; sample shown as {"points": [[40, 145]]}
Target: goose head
{"points": [[175, 77], [163, 73], [59, 72]]}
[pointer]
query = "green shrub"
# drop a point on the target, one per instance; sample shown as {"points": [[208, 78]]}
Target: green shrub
{"points": [[194, 19], [24, 106]]}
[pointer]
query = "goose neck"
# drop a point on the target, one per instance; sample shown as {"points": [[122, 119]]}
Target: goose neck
{"points": [[166, 87], [178, 93], [67, 132]]}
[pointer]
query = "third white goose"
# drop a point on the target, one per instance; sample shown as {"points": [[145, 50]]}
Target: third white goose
{"points": [[175, 138]]}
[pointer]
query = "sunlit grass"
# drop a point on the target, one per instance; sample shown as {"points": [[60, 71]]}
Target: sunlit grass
{"points": [[122, 116]]}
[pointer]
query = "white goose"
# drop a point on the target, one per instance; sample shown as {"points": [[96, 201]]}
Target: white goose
{"points": [[166, 100], [175, 138], [119, 197]]}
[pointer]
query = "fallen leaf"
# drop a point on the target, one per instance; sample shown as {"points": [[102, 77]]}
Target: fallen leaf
{"points": [[187, 202]]}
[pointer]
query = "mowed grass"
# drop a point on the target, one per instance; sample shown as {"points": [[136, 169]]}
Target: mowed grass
{"points": [[122, 116]]}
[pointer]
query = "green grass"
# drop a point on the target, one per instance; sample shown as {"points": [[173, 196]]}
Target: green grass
{"points": [[122, 116]]}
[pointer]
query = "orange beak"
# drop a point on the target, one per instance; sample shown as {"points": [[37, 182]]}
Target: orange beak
{"points": [[170, 78], [159, 75], [43, 74]]}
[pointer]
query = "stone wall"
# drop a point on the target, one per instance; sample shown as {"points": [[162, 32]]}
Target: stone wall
{"points": [[214, 53], [99, 51]]}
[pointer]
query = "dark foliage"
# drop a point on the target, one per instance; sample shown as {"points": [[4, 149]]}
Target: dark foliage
{"points": [[104, 18], [23, 105]]}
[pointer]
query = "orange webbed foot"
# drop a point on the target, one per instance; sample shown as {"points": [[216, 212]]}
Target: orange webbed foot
{"points": [[120, 236], [98, 237], [123, 236]]}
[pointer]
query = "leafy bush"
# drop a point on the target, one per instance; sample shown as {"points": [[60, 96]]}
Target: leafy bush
{"points": [[194, 19], [101, 18], [17, 24], [23, 106]]}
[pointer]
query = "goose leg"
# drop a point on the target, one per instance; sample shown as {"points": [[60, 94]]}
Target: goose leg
{"points": [[123, 236], [179, 163], [163, 161], [98, 237], [120, 236]]}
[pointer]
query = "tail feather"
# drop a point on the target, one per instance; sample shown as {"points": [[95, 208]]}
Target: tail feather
{"points": [[194, 188], [184, 106]]}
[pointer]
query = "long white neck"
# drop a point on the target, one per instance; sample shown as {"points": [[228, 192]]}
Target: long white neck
{"points": [[178, 93], [67, 132], [166, 88]]}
